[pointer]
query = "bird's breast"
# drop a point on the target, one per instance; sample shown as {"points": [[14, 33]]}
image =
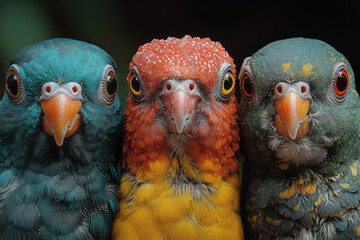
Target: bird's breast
{"points": [[50, 201], [162, 210], [313, 203]]}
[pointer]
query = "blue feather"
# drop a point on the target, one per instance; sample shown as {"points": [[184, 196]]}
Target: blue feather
{"points": [[47, 191]]}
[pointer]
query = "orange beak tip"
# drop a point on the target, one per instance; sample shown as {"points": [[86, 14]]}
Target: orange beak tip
{"points": [[59, 141], [61, 118], [292, 121]]}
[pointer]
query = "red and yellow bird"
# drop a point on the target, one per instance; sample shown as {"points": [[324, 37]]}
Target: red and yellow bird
{"points": [[180, 169]]}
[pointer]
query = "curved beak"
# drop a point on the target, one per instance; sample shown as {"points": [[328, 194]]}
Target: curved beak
{"points": [[292, 121], [181, 106], [61, 118]]}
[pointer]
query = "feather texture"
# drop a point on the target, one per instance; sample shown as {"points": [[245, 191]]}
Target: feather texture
{"points": [[180, 184], [49, 191], [307, 187]]}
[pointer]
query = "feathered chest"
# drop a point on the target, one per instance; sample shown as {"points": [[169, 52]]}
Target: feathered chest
{"points": [[163, 211], [55, 200], [311, 205], [176, 205]]}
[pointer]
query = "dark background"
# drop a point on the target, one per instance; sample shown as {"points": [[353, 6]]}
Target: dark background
{"points": [[120, 27]]}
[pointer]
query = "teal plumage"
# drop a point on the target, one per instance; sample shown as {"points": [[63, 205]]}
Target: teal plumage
{"points": [[50, 190], [308, 186]]}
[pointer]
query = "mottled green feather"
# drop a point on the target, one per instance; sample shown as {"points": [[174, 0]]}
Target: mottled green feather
{"points": [[318, 199]]}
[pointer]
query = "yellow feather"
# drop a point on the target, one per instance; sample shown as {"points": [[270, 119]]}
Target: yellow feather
{"points": [[145, 224], [125, 208], [234, 233], [124, 230], [190, 170], [224, 212], [168, 208], [183, 230], [358, 231], [233, 180], [156, 211], [228, 221], [308, 189], [289, 192], [205, 214], [145, 193], [225, 195], [125, 187], [213, 180], [156, 172]]}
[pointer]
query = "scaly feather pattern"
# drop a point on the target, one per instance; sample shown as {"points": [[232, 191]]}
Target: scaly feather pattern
{"points": [[306, 186]]}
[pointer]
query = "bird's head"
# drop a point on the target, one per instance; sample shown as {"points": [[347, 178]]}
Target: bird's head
{"points": [[298, 100], [181, 97], [59, 89]]}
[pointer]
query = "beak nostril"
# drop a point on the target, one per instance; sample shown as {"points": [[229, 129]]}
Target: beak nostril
{"points": [[279, 89], [303, 89], [168, 86]]}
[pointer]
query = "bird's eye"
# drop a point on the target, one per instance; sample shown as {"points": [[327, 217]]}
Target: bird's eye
{"points": [[247, 86], [13, 84], [228, 83], [111, 85], [135, 85], [340, 83], [108, 85]]}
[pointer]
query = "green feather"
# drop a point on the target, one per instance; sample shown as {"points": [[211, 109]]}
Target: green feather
{"points": [[320, 197]]}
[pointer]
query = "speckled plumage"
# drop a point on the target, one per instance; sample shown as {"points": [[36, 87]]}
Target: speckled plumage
{"points": [[305, 188], [180, 185], [51, 192]]}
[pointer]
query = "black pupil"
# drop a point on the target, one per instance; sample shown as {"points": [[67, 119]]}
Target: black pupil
{"points": [[12, 84], [135, 84], [228, 82], [111, 85], [341, 82], [248, 86]]}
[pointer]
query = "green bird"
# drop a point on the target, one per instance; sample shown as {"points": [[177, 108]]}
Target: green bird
{"points": [[60, 125], [300, 131]]}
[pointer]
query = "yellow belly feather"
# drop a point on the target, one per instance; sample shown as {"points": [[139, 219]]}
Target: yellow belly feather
{"points": [[153, 210]]}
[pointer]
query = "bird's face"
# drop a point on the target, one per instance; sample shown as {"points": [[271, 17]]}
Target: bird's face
{"points": [[181, 90], [296, 97], [60, 87]]}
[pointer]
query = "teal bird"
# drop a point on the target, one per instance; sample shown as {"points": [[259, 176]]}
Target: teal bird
{"points": [[60, 124], [300, 128]]}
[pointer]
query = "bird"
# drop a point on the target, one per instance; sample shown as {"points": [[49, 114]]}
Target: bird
{"points": [[299, 124], [180, 147], [60, 130]]}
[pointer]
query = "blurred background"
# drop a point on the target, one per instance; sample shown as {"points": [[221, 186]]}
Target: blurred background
{"points": [[120, 27]]}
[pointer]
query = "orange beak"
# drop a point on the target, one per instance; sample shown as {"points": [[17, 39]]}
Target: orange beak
{"points": [[292, 121], [61, 118]]}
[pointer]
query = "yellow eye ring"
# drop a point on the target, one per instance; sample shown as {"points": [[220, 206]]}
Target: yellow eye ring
{"points": [[134, 83], [111, 85], [228, 83], [13, 84]]}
